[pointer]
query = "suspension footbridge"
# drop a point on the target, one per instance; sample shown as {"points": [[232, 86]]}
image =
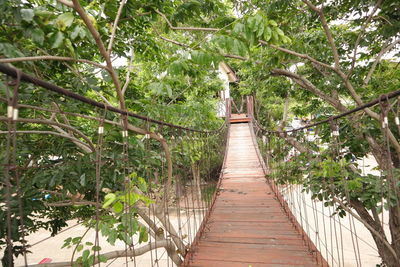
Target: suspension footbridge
{"points": [[180, 208]]}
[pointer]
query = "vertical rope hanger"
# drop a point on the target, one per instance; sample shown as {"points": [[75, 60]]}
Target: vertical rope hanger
{"points": [[354, 237], [148, 174], [332, 185], [128, 189], [7, 180], [321, 243], [186, 192], [336, 157], [192, 189], [12, 167], [391, 180], [386, 108], [178, 187], [99, 148], [167, 196]]}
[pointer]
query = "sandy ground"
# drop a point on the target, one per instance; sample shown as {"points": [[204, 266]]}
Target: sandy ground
{"points": [[51, 248]]}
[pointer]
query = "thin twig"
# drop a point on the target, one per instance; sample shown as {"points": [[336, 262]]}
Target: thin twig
{"points": [[57, 58], [378, 58], [102, 50], [49, 122], [362, 30], [115, 25], [67, 3], [327, 30], [82, 145], [185, 28], [128, 73]]}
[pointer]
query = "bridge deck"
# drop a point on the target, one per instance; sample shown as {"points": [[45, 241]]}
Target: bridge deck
{"points": [[247, 226]]}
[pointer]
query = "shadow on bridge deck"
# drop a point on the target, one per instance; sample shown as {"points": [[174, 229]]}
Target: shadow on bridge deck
{"points": [[247, 225]]}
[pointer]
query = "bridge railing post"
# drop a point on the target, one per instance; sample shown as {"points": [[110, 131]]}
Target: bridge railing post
{"points": [[228, 110], [250, 106]]}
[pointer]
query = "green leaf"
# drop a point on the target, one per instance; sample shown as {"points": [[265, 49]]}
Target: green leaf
{"points": [[169, 90], [273, 23], [118, 207], [85, 254], [90, 261], [257, 21], [275, 37], [79, 247], [27, 14], [65, 20], [76, 240], [143, 236], [251, 22], [103, 258], [112, 237], [38, 36], [40, 12], [156, 88], [75, 32], [238, 29], [106, 76], [109, 199], [68, 45], [57, 39], [260, 30], [267, 34], [96, 248], [82, 179], [280, 32], [142, 184]]}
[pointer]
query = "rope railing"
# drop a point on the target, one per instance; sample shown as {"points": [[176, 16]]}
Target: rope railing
{"points": [[383, 97], [148, 187], [341, 197]]}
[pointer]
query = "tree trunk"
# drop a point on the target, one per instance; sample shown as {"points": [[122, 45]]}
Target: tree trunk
{"points": [[387, 256]]}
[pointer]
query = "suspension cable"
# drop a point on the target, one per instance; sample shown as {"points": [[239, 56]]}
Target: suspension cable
{"points": [[13, 72]]}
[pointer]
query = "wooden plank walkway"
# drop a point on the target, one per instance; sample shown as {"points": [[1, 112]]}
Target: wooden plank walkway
{"points": [[247, 226]]}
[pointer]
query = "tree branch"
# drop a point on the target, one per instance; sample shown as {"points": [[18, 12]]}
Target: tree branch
{"points": [[57, 58], [299, 55], [78, 142], [370, 224], [49, 122], [378, 58], [167, 244], [362, 30], [327, 30], [235, 57], [303, 82], [128, 73], [185, 28], [173, 41], [102, 49], [115, 25], [67, 3], [159, 214]]}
